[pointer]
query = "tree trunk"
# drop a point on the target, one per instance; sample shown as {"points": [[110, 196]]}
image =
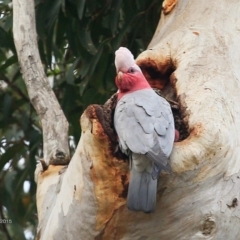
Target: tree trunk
{"points": [[192, 58]]}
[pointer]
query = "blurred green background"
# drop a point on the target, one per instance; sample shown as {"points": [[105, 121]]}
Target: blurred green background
{"points": [[77, 40]]}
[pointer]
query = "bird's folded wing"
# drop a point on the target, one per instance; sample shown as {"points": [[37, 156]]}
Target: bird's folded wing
{"points": [[145, 125]]}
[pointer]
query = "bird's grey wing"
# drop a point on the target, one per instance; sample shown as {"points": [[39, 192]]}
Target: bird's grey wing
{"points": [[161, 118], [145, 125], [130, 132]]}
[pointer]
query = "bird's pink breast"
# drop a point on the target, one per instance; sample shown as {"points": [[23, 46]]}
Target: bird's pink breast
{"points": [[131, 82]]}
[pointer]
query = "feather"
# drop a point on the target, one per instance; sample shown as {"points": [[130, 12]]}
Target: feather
{"points": [[144, 123], [124, 60], [142, 131], [142, 190]]}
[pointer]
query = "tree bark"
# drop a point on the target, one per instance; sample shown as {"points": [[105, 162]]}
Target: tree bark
{"points": [[53, 121], [193, 59]]}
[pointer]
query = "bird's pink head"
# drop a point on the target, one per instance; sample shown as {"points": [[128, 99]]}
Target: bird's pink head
{"points": [[129, 75]]}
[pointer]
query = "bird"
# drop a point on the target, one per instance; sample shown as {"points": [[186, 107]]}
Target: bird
{"points": [[144, 124]]}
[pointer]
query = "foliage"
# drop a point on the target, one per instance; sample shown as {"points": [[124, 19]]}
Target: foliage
{"points": [[77, 40]]}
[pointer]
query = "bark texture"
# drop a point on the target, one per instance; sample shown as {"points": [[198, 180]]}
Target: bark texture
{"points": [[193, 59], [53, 121]]}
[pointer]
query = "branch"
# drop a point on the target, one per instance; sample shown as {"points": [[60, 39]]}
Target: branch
{"points": [[53, 121]]}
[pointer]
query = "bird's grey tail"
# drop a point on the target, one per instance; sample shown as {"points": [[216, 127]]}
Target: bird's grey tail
{"points": [[142, 191]]}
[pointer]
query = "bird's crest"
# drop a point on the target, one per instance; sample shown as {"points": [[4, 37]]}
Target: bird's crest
{"points": [[124, 60]]}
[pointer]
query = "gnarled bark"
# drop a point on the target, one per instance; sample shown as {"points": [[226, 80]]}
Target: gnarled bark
{"points": [[193, 58]]}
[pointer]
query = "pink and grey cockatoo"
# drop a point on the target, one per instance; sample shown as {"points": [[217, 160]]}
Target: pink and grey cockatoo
{"points": [[145, 127]]}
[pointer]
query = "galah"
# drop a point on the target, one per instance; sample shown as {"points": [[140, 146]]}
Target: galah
{"points": [[145, 127]]}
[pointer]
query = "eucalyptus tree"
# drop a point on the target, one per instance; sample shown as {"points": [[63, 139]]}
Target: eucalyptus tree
{"points": [[76, 41]]}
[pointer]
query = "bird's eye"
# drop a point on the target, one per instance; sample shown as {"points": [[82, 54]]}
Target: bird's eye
{"points": [[131, 70]]}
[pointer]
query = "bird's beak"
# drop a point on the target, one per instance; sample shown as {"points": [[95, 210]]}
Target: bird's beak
{"points": [[119, 76]]}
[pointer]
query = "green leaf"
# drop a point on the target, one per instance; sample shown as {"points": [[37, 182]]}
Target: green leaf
{"points": [[96, 59], [70, 98], [49, 47], [9, 62], [80, 8], [8, 182], [119, 37], [70, 72], [83, 85], [88, 95], [8, 23], [7, 102], [10, 153], [86, 41], [90, 68], [116, 6], [102, 69], [3, 38]]}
